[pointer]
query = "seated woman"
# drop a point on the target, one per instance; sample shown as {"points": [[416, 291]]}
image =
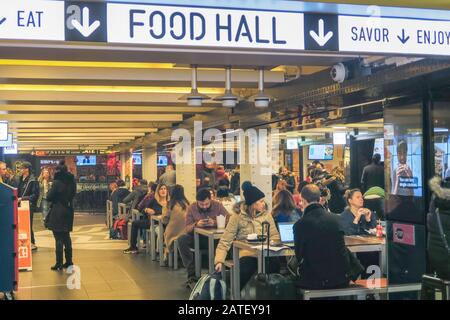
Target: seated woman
{"points": [[224, 196], [155, 207], [284, 208], [355, 219], [174, 216], [253, 212]]}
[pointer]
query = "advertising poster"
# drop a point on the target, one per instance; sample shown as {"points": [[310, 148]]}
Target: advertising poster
{"points": [[24, 237]]}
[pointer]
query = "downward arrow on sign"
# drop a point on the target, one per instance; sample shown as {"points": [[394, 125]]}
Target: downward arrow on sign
{"points": [[2, 20], [404, 38], [321, 38], [86, 29]]}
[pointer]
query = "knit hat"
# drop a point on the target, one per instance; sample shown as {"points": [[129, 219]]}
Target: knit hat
{"points": [[374, 193], [251, 193]]}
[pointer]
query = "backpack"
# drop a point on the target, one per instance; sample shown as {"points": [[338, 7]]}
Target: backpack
{"points": [[119, 230], [209, 287]]}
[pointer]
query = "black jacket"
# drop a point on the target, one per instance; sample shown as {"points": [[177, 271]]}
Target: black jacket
{"points": [[136, 196], [61, 194], [372, 176], [117, 197], [336, 203], [28, 189], [320, 250], [437, 251], [290, 181]]}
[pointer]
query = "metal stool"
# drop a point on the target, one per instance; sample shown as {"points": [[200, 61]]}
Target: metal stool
{"points": [[230, 265], [430, 284]]}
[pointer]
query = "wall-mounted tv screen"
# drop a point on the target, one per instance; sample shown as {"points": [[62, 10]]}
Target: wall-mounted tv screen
{"points": [[137, 159], [162, 161], [86, 160], [7, 143], [321, 152]]}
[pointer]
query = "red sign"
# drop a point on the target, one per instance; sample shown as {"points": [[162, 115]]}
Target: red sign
{"points": [[404, 233], [24, 237]]}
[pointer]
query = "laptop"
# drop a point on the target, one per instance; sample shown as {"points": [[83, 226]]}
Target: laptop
{"points": [[287, 233]]}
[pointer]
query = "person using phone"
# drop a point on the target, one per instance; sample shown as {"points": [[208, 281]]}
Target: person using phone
{"points": [[355, 219]]}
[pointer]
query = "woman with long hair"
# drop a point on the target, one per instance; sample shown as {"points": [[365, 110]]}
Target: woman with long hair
{"points": [[61, 215], [356, 219], [284, 208], [44, 186], [174, 217], [155, 207]]}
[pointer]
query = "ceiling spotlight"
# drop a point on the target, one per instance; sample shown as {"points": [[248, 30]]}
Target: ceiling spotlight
{"points": [[261, 100], [194, 99], [228, 99]]}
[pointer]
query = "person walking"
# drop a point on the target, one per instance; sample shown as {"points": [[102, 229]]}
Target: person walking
{"points": [[44, 187], [373, 174], [61, 215]]}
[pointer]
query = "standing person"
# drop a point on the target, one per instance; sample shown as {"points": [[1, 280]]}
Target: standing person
{"points": [[28, 189], [439, 236], [373, 174], [169, 177], [253, 213], [335, 184], [4, 177], [319, 245], [174, 217], [221, 175], [288, 177], [224, 196], [208, 176], [235, 181], [202, 213], [357, 220], [61, 215], [155, 207], [44, 186]]}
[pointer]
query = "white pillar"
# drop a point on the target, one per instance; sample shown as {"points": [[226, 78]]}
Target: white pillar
{"points": [[258, 156], [186, 176], [149, 163], [123, 168]]}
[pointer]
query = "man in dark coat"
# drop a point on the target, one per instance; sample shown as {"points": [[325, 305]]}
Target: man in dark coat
{"points": [[319, 245], [373, 174], [137, 194], [439, 241], [61, 215], [28, 190], [118, 196]]}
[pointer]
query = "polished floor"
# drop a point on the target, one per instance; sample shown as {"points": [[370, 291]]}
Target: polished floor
{"points": [[105, 273]]}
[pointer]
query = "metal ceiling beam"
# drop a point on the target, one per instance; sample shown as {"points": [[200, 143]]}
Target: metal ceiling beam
{"points": [[92, 117], [64, 124]]}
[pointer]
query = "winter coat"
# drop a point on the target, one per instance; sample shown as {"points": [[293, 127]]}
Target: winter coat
{"points": [[351, 229], [28, 189], [437, 251], [239, 227], [117, 197], [61, 194], [372, 176], [175, 221], [136, 196], [336, 203], [320, 249]]}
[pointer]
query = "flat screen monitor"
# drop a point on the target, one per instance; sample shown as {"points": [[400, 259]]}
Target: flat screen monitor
{"points": [[379, 147], [3, 130], [137, 159], [10, 150], [321, 152], [8, 142], [162, 161], [292, 144], [86, 160], [339, 138]]}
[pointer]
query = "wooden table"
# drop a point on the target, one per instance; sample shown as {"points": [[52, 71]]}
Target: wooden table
{"points": [[212, 234], [158, 220], [354, 243]]}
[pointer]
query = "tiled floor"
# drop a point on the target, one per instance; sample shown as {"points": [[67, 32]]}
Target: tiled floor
{"points": [[105, 273]]}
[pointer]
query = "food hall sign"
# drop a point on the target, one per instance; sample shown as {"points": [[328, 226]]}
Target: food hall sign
{"points": [[197, 26]]}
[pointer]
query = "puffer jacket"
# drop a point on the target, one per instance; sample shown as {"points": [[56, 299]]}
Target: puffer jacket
{"points": [[239, 227], [437, 252]]}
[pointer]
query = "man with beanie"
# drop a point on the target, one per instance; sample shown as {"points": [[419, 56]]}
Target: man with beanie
{"points": [[249, 220], [201, 214]]}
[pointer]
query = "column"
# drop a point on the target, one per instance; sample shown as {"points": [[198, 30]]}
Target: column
{"points": [[149, 163], [259, 156], [186, 172]]}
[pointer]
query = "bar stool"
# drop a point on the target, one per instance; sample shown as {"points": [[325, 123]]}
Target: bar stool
{"points": [[431, 283], [228, 264]]}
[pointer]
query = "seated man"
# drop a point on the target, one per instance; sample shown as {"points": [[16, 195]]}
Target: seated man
{"points": [[319, 245], [201, 213]]}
